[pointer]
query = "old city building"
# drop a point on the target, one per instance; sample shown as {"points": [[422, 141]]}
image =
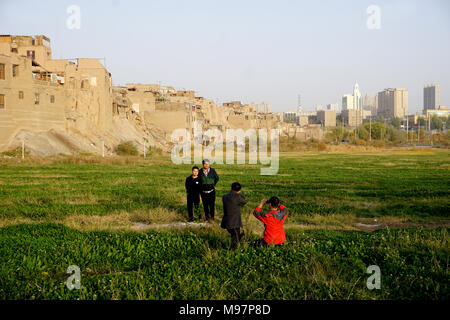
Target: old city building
{"points": [[70, 105]]}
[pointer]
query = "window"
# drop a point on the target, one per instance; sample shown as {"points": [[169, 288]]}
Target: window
{"points": [[2, 71], [21, 95], [36, 98], [15, 70], [31, 54], [52, 99], [2, 101]]}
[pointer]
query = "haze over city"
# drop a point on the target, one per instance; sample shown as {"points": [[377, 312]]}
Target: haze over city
{"points": [[254, 50]]}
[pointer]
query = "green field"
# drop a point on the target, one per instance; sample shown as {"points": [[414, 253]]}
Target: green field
{"points": [[103, 216]]}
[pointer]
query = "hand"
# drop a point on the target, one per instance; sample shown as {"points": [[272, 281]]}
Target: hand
{"points": [[263, 202]]}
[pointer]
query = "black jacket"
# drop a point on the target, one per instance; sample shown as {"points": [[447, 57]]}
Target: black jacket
{"points": [[193, 186], [232, 203]]}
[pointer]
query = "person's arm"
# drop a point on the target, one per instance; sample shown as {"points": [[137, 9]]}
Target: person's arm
{"points": [[216, 177], [284, 210], [186, 185], [258, 213], [242, 200]]}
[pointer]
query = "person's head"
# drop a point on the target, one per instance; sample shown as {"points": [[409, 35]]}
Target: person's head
{"points": [[236, 186], [274, 202], [205, 163], [195, 171]]}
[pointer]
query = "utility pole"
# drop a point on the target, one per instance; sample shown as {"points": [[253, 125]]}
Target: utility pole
{"points": [[370, 128], [407, 128], [418, 132]]}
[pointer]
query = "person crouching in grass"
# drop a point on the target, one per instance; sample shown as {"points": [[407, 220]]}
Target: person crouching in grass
{"points": [[273, 220], [193, 186], [232, 203]]}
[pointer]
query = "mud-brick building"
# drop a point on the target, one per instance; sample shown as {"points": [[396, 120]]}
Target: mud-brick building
{"points": [[38, 93], [30, 98]]}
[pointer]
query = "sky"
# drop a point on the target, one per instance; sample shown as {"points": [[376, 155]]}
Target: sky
{"points": [[253, 51]]}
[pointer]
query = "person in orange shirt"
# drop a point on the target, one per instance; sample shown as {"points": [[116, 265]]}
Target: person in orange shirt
{"points": [[273, 220]]}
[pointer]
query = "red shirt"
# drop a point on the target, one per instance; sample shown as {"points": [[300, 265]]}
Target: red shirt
{"points": [[273, 223]]}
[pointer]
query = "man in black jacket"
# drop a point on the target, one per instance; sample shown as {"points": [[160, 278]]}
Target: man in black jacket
{"points": [[232, 221], [209, 179]]}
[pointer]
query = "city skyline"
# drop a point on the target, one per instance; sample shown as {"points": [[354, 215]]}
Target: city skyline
{"points": [[254, 51]]}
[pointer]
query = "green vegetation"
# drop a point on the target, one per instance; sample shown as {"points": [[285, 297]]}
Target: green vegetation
{"points": [[315, 264], [83, 211], [127, 148], [17, 152], [380, 134]]}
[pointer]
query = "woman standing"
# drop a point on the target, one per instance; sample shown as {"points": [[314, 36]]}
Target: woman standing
{"points": [[193, 186]]}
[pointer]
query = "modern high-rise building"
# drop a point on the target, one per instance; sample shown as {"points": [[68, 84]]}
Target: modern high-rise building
{"points": [[347, 102], [393, 103], [357, 103], [370, 103], [431, 96], [352, 101]]}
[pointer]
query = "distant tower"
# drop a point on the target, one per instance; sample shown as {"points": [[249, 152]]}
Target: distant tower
{"points": [[299, 105], [357, 97]]}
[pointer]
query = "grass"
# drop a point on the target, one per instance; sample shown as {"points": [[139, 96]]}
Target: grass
{"points": [[83, 210], [315, 264]]}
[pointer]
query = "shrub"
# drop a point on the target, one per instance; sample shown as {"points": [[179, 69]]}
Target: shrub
{"points": [[127, 148], [17, 152], [321, 146], [152, 151]]}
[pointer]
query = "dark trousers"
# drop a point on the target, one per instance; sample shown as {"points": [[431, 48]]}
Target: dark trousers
{"points": [[193, 199], [259, 243], [236, 237], [209, 203]]}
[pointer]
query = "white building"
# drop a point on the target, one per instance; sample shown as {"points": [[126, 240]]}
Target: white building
{"points": [[333, 106], [320, 107], [290, 116], [347, 102], [352, 101], [262, 107]]}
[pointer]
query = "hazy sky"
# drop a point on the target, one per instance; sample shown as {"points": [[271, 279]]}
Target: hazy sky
{"points": [[253, 50]]}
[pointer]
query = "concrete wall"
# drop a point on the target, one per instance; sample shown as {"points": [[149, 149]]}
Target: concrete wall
{"points": [[327, 118]]}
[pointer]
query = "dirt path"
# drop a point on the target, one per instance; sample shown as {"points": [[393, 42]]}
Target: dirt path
{"points": [[143, 226]]}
